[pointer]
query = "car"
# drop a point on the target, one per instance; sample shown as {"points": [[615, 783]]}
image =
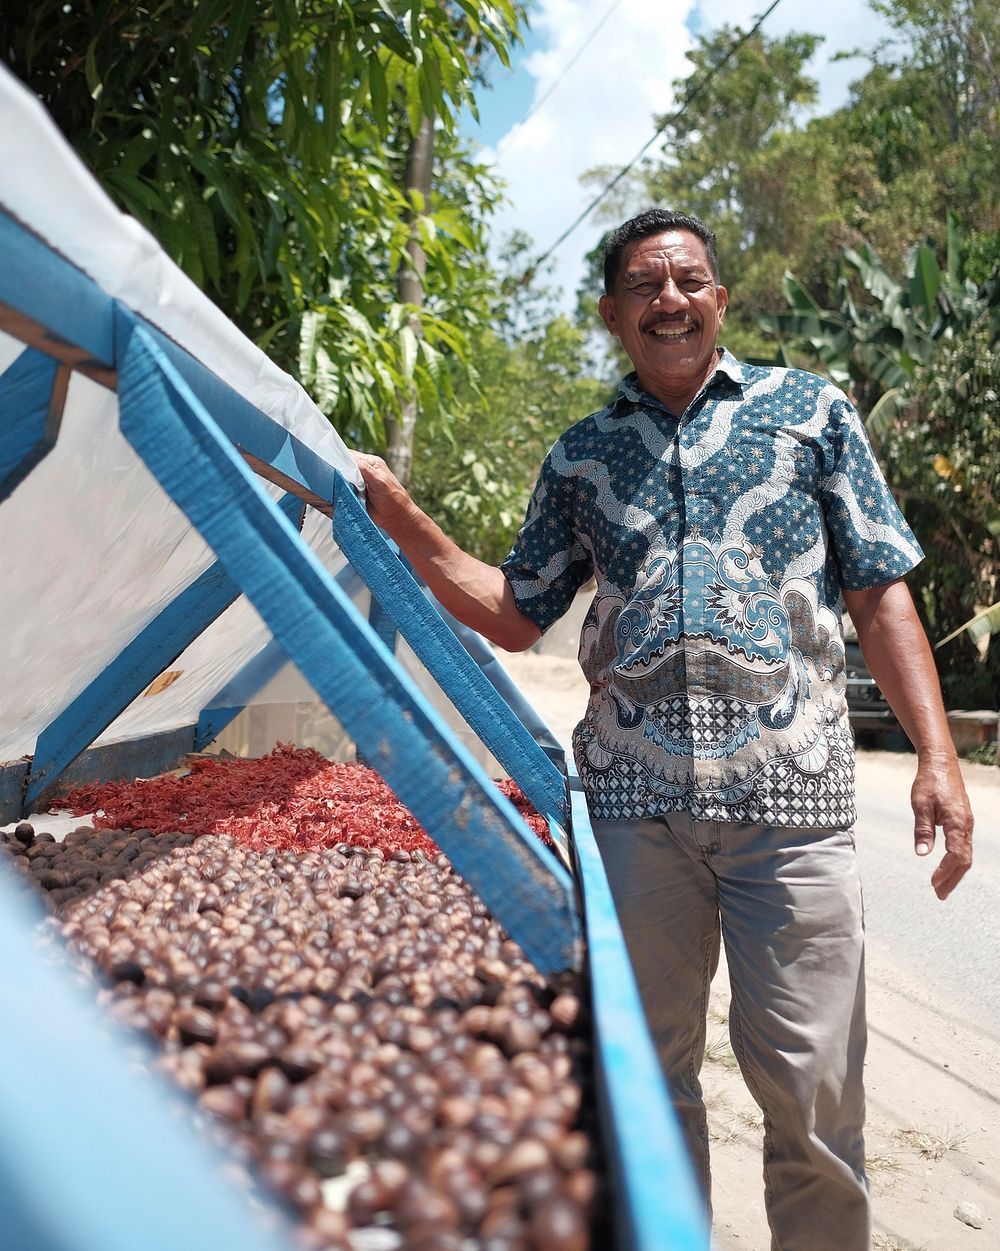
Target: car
{"points": [[872, 720]]}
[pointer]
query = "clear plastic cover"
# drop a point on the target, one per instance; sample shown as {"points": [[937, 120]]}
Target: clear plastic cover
{"points": [[44, 184], [93, 550]]}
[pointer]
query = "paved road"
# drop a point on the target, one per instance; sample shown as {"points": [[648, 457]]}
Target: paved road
{"points": [[945, 954]]}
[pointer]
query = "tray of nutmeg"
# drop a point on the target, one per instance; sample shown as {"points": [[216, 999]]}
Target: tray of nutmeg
{"points": [[337, 1003]]}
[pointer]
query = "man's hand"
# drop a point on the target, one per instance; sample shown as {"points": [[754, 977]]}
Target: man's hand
{"points": [[899, 657], [389, 505], [472, 591], [939, 799]]}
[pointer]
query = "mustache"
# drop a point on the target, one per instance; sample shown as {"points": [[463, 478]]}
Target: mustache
{"points": [[653, 322]]}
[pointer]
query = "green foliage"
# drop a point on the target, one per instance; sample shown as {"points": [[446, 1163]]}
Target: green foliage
{"points": [[726, 160], [945, 455], [739, 109], [476, 476], [783, 191], [922, 355], [883, 330], [263, 144]]}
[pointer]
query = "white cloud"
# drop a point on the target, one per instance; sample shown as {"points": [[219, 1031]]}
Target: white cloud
{"points": [[845, 26], [603, 111]]}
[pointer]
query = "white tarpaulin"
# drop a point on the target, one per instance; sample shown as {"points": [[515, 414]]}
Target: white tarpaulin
{"points": [[93, 549]]}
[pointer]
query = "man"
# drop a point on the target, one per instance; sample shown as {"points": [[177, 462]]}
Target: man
{"points": [[727, 512]]}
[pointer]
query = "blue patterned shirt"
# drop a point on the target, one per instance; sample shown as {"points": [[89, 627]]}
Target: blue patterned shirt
{"points": [[721, 542]]}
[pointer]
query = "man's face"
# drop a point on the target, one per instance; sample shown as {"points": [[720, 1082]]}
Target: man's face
{"points": [[666, 309]]}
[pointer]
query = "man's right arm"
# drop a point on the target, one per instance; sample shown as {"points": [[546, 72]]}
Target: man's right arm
{"points": [[476, 593]]}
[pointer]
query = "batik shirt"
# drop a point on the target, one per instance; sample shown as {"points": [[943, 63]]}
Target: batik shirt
{"points": [[720, 542]]}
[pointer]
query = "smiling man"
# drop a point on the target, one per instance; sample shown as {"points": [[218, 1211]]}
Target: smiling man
{"points": [[728, 512], [666, 309]]}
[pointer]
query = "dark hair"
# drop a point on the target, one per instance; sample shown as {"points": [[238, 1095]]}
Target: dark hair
{"points": [[654, 222]]}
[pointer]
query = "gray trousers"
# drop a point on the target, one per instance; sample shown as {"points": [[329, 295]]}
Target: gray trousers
{"points": [[788, 905]]}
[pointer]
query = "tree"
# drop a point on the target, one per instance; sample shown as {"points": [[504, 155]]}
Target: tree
{"points": [[917, 138], [533, 379], [264, 144], [716, 161], [945, 454], [921, 357]]}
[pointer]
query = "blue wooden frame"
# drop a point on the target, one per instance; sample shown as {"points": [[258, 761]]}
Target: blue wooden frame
{"points": [[461, 679], [319, 628], [660, 1212], [48, 302], [31, 407], [232, 698], [154, 648]]}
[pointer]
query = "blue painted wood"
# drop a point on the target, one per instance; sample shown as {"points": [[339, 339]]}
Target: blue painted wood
{"points": [[29, 417], [228, 702], [134, 1170], [485, 657], [382, 624], [661, 1208], [42, 285], [13, 779], [153, 649], [445, 658], [212, 721], [77, 321], [119, 762], [319, 628]]}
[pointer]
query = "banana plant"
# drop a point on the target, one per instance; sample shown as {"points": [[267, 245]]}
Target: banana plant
{"points": [[981, 626], [986, 622], [883, 329]]}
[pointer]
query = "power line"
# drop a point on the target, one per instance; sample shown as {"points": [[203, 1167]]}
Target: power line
{"points": [[690, 96], [572, 61]]}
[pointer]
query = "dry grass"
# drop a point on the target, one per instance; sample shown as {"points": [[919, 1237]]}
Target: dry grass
{"points": [[889, 1242], [731, 1131], [718, 1050], [933, 1144], [881, 1165]]}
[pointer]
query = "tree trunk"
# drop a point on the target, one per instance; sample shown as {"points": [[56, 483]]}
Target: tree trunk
{"points": [[410, 290]]}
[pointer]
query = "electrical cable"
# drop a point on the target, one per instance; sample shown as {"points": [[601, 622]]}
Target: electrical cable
{"points": [[571, 62], [689, 98]]}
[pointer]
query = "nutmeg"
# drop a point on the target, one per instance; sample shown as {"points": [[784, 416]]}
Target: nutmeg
{"points": [[557, 1224], [393, 1022]]}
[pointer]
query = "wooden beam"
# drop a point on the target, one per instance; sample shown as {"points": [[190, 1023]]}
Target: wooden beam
{"points": [[34, 335]]}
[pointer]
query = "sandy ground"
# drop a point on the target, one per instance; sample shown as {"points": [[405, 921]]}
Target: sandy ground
{"points": [[933, 1078]]}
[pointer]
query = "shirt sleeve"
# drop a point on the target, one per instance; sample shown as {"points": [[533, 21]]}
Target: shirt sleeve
{"points": [[869, 535], [548, 564]]}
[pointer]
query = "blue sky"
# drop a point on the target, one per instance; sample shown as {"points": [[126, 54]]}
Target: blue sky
{"points": [[600, 110]]}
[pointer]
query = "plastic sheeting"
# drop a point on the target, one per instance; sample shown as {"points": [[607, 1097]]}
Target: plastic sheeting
{"points": [[216, 656], [46, 187], [93, 548]]}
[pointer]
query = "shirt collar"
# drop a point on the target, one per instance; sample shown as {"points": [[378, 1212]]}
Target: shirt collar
{"points": [[629, 391]]}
